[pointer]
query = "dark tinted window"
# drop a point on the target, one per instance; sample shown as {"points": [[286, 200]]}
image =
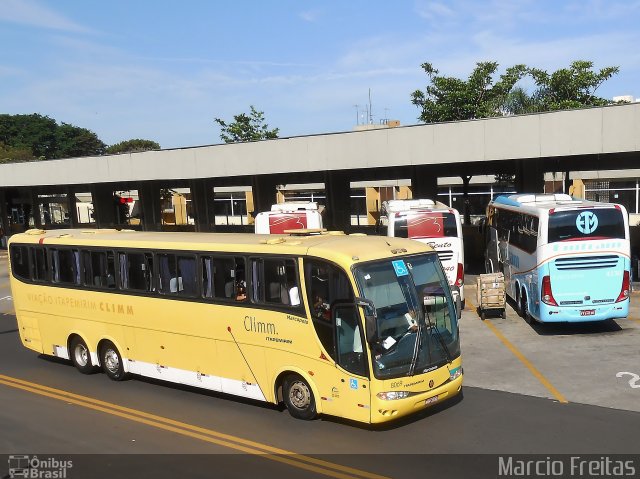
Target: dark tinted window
{"points": [[426, 225], [580, 224], [223, 277], [20, 262], [275, 282], [99, 269], [136, 271], [177, 275], [40, 264], [65, 266]]}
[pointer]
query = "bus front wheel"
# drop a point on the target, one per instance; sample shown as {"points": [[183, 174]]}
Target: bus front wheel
{"points": [[112, 362], [298, 397], [80, 356]]}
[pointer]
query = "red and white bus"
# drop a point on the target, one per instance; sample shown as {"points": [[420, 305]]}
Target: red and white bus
{"points": [[289, 216], [429, 222]]}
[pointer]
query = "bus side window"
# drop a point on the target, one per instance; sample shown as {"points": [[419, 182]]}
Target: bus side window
{"points": [[98, 269], [136, 271], [223, 277], [20, 262], [65, 266], [276, 282], [40, 264]]}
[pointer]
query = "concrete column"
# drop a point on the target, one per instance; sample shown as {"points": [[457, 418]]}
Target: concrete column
{"points": [[264, 193], [529, 177], [103, 206], [338, 190], [201, 200], [71, 205], [466, 204], [149, 196], [35, 209], [4, 219], [424, 182]]}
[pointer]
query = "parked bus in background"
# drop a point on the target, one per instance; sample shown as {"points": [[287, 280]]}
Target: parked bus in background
{"points": [[429, 222], [289, 216], [361, 327], [563, 259]]}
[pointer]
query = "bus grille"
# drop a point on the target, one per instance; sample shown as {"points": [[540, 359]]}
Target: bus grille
{"points": [[446, 255], [587, 262]]}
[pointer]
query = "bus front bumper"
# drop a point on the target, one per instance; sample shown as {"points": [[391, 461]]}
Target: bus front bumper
{"points": [[383, 411]]}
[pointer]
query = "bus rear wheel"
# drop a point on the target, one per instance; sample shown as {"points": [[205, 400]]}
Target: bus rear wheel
{"points": [[80, 356], [111, 361], [298, 397]]}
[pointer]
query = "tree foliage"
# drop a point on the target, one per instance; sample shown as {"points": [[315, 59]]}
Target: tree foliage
{"points": [[73, 141], [133, 145], [480, 96], [572, 87], [245, 127], [12, 153], [451, 99], [45, 139]]}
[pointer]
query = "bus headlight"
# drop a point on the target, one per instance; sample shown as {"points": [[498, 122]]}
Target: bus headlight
{"points": [[393, 395], [455, 373]]}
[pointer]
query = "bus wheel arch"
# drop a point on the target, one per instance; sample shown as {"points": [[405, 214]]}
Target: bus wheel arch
{"points": [[79, 354], [111, 360]]}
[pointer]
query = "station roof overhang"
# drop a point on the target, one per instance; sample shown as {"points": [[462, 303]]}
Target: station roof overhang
{"points": [[564, 134]]}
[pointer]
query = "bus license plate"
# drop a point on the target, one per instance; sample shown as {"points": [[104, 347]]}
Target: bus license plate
{"points": [[587, 312], [430, 400]]}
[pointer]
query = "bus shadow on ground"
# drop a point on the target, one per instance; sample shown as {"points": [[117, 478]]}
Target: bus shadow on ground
{"points": [[610, 326]]}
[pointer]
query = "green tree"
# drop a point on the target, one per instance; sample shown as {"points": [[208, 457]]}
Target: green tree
{"points": [[572, 87], [480, 96], [33, 132], [131, 146], [245, 127], [73, 141], [10, 154]]}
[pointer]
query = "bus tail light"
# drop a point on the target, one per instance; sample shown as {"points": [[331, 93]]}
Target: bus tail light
{"points": [[547, 294], [626, 287], [460, 275]]}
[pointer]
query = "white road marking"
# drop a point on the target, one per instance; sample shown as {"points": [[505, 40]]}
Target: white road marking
{"points": [[634, 382]]}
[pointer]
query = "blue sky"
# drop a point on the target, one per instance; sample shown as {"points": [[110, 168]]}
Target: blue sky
{"points": [[163, 70]]}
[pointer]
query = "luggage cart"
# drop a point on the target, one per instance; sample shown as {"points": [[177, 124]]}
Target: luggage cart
{"points": [[491, 295]]}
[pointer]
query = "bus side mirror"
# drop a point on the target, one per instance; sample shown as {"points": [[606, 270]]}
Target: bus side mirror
{"points": [[370, 318], [455, 292]]}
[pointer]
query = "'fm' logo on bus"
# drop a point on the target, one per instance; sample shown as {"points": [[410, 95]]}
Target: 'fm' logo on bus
{"points": [[587, 222]]}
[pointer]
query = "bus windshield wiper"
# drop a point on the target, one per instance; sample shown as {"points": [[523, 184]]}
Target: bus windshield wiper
{"points": [[433, 327]]}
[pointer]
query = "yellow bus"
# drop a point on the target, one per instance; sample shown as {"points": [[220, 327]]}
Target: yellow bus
{"points": [[361, 327]]}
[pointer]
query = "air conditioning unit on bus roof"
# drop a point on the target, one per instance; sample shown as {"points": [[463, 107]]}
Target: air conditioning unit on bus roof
{"points": [[548, 198], [294, 206]]}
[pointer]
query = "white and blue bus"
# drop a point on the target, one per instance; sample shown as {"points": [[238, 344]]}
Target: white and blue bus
{"points": [[564, 260]]}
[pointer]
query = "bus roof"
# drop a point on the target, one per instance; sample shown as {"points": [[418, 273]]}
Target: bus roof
{"points": [[397, 206], [545, 202], [332, 245]]}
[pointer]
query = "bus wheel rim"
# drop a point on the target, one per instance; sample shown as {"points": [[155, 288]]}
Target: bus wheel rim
{"points": [[299, 395], [81, 355], [111, 360]]}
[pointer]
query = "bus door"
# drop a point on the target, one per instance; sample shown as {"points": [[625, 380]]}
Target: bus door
{"points": [[342, 377], [352, 383]]}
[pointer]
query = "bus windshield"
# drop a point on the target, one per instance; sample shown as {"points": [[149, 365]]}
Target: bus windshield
{"points": [[417, 329], [422, 224], [586, 224]]}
